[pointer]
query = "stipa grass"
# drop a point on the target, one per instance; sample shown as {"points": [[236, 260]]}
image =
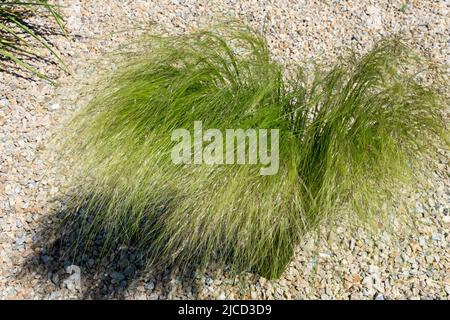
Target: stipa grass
{"points": [[347, 138]]}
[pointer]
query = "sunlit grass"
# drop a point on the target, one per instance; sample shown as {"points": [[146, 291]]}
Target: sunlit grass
{"points": [[348, 138]]}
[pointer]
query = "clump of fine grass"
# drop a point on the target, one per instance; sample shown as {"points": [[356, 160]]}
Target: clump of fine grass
{"points": [[19, 37], [347, 139]]}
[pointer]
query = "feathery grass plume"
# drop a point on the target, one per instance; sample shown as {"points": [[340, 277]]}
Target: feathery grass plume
{"points": [[19, 37], [345, 140], [371, 121]]}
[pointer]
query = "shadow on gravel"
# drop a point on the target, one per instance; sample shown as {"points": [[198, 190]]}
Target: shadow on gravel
{"points": [[94, 274]]}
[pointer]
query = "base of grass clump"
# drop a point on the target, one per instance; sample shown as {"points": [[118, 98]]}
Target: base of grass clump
{"points": [[346, 138]]}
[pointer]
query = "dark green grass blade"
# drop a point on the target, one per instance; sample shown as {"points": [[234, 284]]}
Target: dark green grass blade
{"points": [[17, 37]]}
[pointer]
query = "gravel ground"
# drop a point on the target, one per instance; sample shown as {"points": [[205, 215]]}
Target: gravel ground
{"points": [[348, 263]]}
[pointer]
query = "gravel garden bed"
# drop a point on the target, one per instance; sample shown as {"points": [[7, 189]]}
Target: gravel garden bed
{"points": [[347, 263]]}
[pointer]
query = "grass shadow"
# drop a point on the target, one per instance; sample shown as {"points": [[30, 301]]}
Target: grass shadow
{"points": [[121, 273]]}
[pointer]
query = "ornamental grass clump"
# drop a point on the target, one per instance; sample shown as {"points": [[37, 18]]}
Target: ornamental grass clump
{"points": [[347, 138]]}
